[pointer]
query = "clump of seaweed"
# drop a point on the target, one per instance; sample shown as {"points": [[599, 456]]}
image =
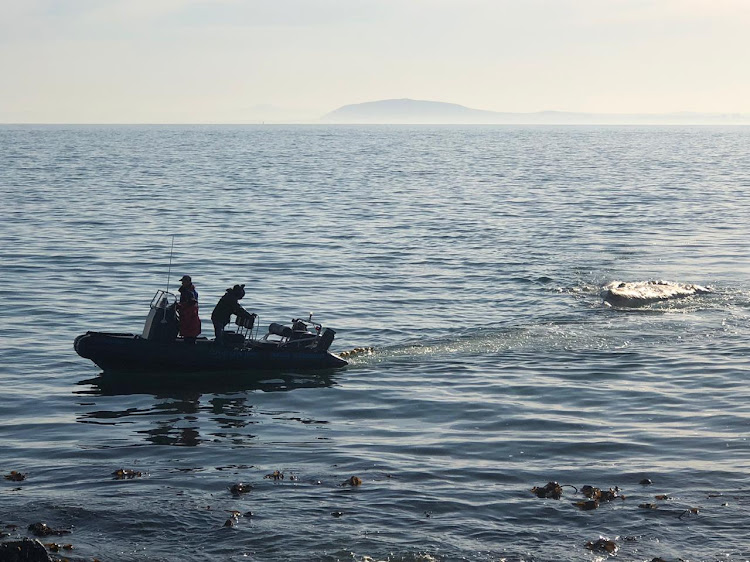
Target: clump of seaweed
{"points": [[599, 495], [15, 476], [586, 505], [689, 511], [43, 530], [602, 545], [234, 518], [126, 474], [596, 496], [275, 475], [550, 490], [353, 481]]}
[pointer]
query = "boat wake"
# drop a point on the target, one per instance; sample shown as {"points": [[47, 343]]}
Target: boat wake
{"points": [[492, 340], [662, 308]]}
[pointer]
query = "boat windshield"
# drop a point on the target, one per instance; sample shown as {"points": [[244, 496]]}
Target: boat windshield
{"points": [[163, 299]]}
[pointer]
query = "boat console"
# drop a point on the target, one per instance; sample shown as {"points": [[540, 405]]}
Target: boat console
{"points": [[161, 323]]}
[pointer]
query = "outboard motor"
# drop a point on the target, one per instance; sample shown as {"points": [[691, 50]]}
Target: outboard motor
{"points": [[326, 339], [161, 322]]}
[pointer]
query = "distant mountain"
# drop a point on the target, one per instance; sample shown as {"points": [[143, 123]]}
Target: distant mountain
{"points": [[399, 111]]}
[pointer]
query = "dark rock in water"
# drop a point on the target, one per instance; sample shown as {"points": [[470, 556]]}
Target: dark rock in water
{"points": [[641, 293], [42, 530], [240, 488], [27, 550]]}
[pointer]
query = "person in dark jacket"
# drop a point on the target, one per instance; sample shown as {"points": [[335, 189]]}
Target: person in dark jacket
{"points": [[190, 323], [228, 305]]}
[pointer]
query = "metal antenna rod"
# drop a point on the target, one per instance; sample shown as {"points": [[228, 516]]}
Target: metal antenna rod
{"points": [[169, 271]]}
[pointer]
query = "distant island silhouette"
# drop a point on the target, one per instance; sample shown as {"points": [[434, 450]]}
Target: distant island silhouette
{"points": [[409, 111]]}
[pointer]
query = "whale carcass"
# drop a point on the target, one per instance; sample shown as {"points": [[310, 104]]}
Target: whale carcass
{"points": [[639, 293]]}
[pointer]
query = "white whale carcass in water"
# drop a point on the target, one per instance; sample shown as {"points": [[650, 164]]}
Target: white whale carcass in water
{"points": [[638, 293]]}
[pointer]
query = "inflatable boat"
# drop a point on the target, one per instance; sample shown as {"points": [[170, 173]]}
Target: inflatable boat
{"points": [[302, 346]]}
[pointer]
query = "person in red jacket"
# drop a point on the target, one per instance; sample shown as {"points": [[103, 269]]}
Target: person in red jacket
{"points": [[190, 323]]}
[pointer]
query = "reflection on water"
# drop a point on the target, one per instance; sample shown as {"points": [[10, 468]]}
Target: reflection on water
{"points": [[167, 384], [185, 412]]}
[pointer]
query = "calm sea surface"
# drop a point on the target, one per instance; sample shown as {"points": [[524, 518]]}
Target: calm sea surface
{"points": [[471, 258]]}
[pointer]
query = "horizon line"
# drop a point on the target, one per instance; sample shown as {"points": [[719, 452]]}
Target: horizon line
{"points": [[363, 123]]}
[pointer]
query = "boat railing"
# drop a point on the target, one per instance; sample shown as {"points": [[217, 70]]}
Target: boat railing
{"points": [[248, 326]]}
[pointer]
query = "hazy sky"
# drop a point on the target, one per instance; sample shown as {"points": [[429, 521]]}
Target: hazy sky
{"points": [[196, 61]]}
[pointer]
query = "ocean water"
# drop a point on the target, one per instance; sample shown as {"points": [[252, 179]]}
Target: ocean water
{"points": [[472, 259]]}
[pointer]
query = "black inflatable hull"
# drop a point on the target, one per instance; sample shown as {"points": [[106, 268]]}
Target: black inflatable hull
{"points": [[128, 352]]}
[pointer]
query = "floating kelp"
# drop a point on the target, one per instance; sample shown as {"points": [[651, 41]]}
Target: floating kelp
{"points": [[234, 518], [586, 505], [689, 511], [42, 530], [602, 545], [599, 495], [353, 481], [126, 474], [15, 476], [648, 506], [240, 488], [663, 497], [337, 513], [550, 490], [275, 475]]}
